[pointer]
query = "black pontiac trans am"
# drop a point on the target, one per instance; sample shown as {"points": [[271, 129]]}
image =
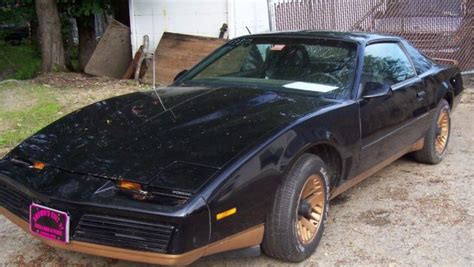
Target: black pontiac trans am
{"points": [[245, 149]]}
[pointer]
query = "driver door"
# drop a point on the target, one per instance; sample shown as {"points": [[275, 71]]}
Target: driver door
{"points": [[388, 122]]}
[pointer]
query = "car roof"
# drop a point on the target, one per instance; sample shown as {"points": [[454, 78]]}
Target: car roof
{"points": [[359, 37]]}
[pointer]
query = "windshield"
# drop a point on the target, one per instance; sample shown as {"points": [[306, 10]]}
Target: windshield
{"points": [[320, 66]]}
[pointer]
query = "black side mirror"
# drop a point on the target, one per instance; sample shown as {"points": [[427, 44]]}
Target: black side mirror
{"points": [[179, 75], [374, 89]]}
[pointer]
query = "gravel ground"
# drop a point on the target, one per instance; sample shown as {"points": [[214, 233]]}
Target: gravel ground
{"points": [[406, 214]]}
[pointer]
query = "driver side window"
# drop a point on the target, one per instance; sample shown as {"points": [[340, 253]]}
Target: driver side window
{"points": [[386, 64]]}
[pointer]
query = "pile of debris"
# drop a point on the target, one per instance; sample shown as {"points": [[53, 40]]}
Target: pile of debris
{"points": [[175, 52]]}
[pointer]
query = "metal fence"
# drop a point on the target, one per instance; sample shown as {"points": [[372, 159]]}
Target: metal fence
{"points": [[440, 28]]}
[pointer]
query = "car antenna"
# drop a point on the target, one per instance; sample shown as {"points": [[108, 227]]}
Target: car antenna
{"points": [[248, 29], [154, 87]]}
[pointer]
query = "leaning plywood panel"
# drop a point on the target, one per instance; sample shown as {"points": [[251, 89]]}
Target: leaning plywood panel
{"points": [[177, 52], [113, 53]]}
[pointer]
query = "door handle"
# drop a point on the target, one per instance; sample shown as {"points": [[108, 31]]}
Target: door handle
{"points": [[420, 95]]}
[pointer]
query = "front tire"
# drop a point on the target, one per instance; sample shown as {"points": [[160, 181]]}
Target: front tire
{"points": [[437, 138], [296, 223]]}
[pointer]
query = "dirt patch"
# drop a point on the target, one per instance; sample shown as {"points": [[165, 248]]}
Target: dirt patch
{"points": [[394, 193], [47, 255], [468, 98], [436, 180], [378, 217], [77, 80], [15, 99], [468, 80], [441, 207]]}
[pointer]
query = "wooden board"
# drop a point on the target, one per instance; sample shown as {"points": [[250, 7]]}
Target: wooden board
{"points": [[177, 52], [112, 55], [130, 73]]}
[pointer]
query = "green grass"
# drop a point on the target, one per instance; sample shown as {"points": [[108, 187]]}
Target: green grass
{"points": [[19, 62], [19, 123]]}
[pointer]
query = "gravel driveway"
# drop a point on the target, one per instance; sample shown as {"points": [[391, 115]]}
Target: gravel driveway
{"points": [[406, 214]]}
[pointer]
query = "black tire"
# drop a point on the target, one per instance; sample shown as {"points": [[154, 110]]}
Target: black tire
{"points": [[430, 154], [281, 239]]}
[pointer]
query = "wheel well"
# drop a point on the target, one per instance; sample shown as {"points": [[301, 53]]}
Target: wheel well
{"points": [[331, 158], [449, 97]]}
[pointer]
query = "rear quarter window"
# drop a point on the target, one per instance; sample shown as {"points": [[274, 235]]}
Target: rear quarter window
{"points": [[421, 62]]}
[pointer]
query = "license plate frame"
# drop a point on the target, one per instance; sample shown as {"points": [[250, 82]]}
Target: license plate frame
{"points": [[49, 223]]}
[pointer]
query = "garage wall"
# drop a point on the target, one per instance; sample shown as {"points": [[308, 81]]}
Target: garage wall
{"points": [[250, 13], [196, 17]]}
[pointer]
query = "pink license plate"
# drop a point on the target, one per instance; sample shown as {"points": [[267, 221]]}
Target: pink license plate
{"points": [[49, 223]]}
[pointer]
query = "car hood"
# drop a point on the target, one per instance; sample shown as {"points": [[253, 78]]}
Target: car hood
{"points": [[134, 137]]}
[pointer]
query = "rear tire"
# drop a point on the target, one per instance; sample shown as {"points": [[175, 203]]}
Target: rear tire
{"points": [[296, 223], [437, 138]]}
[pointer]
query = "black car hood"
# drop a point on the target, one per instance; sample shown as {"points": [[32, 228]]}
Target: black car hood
{"points": [[133, 137]]}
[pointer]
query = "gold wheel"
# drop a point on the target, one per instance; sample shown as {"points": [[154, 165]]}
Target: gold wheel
{"points": [[442, 133], [310, 209]]}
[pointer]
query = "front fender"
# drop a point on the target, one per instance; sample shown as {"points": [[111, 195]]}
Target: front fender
{"points": [[251, 183]]}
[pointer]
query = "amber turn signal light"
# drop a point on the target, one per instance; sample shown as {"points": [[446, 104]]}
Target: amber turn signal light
{"points": [[38, 165], [127, 185], [226, 213]]}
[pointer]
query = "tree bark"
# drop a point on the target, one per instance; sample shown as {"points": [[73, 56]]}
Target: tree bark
{"points": [[69, 43], [87, 42], [51, 42]]}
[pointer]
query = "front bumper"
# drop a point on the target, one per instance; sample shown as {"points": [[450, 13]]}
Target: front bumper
{"points": [[113, 252], [248, 238], [123, 233], [115, 225]]}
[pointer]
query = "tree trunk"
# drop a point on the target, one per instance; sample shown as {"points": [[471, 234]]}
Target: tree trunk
{"points": [[52, 49], [87, 42], [69, 43]]}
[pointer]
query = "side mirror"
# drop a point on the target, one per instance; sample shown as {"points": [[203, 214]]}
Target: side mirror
{"points": [[374, 89], [179, 75]]}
